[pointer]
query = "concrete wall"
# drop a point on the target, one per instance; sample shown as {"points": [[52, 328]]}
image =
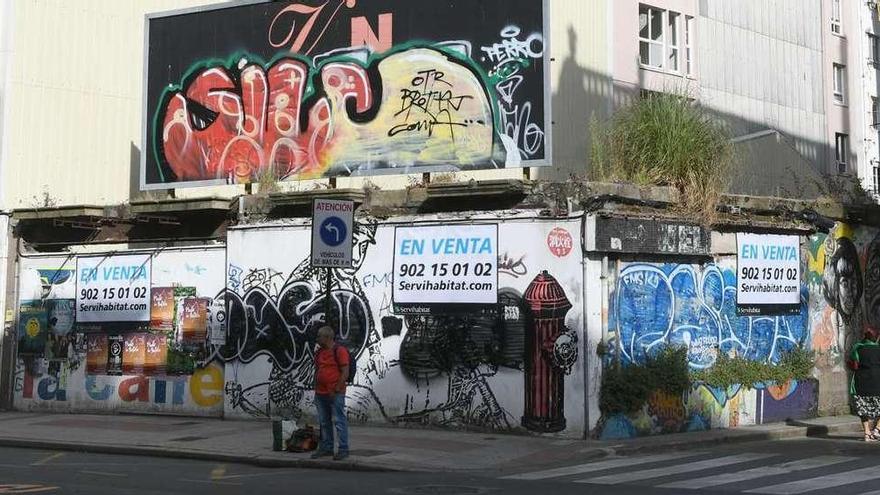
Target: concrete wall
{"points": [[54, 356], [457, 371]]}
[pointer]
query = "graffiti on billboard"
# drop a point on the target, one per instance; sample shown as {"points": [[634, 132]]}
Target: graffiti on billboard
{"points": [[297, 97], [237, 122]]}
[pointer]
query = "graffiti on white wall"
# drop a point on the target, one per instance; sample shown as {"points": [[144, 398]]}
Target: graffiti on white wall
{"points": [[452, 370]]}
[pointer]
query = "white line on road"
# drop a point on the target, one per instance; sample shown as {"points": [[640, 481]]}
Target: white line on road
{"points": [[760, 472], [104, 473], [598, 466], [210, 482], [821, 482], [56, 455], [636, 475]]}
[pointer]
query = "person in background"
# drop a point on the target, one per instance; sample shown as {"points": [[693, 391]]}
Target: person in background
{"points": [[331, 362], [865, 386]]}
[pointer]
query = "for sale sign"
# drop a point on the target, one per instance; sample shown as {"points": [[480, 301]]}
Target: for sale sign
{"points": [[768, 274], [445, 268], [113, 288]]}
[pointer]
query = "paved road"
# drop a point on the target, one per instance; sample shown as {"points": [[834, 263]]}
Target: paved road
{"points": [[818, 466]]}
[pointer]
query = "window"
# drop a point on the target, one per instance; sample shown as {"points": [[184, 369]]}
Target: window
{"points": [[876, 178], [874, 49], [660, 44], [688, 44], [874, 112], [841, 151], [839, 81], [836, 26]]}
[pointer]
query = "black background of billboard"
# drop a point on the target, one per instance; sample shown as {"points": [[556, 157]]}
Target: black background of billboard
{"points": [[178, 42]]}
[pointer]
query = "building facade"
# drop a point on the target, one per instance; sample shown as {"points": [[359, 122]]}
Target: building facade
{"points": [[95, 155]]}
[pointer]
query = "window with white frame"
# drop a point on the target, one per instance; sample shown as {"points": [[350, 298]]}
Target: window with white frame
{"points": [[839, 83], [874, 48], [841, 151], [836, 25], [876, 177], [660, 40], [688, 44]]}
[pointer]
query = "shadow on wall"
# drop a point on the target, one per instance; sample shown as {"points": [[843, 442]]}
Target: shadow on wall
{"points": [[769, 162]]}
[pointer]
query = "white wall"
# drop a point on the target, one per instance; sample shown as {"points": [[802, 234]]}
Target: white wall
{"points": [[71, 389], [406, 374]]}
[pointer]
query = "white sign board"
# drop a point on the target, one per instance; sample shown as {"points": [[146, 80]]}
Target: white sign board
{"points": [[113, 288], [444, 268], [768, 272], [332, 224]]}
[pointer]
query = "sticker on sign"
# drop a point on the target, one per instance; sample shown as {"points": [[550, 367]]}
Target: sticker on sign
{"points": [[444, 267], [332, 221]]}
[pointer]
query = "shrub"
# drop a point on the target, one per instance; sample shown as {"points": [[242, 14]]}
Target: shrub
{"points": [[626, 389], [796, 364], [665, 139]]}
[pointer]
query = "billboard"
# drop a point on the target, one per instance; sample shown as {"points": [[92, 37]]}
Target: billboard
{"points": [[327, 88]]}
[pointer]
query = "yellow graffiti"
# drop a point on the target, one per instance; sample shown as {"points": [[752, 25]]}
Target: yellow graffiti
{"points": [[434, 110], [816, 264], [843, 230], [32, 327], [206, 385]]}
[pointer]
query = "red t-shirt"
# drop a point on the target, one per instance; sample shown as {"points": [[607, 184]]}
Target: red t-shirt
{"points": [[329, 371]]}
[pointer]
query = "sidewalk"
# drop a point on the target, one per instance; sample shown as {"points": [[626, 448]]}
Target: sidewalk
{"points": [[373, 448]]}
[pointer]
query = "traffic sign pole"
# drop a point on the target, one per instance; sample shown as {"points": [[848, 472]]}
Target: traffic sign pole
{"points": [[332, 232]]}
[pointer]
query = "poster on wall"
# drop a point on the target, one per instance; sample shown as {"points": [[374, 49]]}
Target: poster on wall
{"points": [[444, 268], [113, 288], [300, 89], [768, 271], [32, 328]]}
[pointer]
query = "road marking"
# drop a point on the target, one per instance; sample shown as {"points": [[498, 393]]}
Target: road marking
{"points": [[210, 481], [760, 472], [26, 488], [821, 482], [635, 475], [56, 455], [251, 475], [104, 473], [598, 466], [218, 472]]}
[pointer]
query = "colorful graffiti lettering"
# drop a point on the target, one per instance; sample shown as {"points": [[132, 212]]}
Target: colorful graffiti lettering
{"points": [[305, 19], [205, 388], [239, 121], [658, 305]]}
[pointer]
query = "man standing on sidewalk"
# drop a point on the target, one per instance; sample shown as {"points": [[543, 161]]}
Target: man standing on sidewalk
{"points": [[331, 362]]}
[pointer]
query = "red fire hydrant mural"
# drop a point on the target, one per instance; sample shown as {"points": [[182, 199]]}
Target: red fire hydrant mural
{"points": [[551, 351]]}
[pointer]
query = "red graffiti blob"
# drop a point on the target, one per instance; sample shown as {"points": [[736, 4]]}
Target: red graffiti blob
{"points": [[237, 128]]}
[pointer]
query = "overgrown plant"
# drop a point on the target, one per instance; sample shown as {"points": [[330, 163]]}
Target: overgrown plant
{"points": [[665, 139], [796, 364], [626, 389]]}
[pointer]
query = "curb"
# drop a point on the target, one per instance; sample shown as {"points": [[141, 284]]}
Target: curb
{"points": [[142, 450], [802, 430]]}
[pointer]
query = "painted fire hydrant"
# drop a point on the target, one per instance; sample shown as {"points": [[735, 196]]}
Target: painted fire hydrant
{"points": [[544, 374]]}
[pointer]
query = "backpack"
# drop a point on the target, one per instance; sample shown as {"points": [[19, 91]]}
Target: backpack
{"points": [[303, 440], [352, 367]]}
